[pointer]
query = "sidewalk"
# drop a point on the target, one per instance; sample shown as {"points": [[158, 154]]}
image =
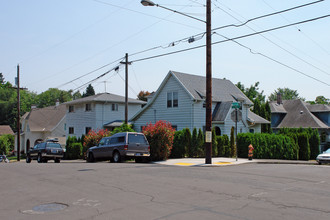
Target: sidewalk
{"points": [[223, 161]]}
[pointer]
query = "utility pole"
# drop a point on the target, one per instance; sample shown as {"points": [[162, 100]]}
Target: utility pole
{"points": [[18, 119], [126, 86], [208, 123]]}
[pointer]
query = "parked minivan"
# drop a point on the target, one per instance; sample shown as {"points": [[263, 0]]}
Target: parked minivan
{"points": [[119, 147]]}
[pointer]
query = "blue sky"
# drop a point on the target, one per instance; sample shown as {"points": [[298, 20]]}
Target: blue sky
{"points": [[55, 42]]}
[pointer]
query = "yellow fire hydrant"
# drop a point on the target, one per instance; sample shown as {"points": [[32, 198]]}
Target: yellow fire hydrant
{"points": [[250, 154]]}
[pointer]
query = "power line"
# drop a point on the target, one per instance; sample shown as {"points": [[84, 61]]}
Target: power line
{"points": [[240, 37], [296, 56], [258, 53]]}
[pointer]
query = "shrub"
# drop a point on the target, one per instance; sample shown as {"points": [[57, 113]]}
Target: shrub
{"points": [[187, 137], [232, 142], [201, 146], [123, 128], [214, 144], [194, 143], [74, 151], [223, 146], [304, 149], [178, 149], [160, 137], [6, 143], [314, 142]]}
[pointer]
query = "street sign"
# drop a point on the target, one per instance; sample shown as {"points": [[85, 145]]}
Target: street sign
{"points": [[235, 105], [233, 115]]}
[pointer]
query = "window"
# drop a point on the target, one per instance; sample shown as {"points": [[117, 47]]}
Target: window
{"points": [[71, 130], [252, 131], [114, 107], [88, 107], [172, 99], [71, 108], [217, 131], [117, 140], [87, 129], [136, 138]]}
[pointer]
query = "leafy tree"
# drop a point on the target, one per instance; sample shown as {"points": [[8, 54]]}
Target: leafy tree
{"points": [[93, 137], [252, 92], [320, 100], [287, 94], [49, 97], [201, 146], [2, 79], [194, 143], [89, 91], [143, 95], [76, 95]]}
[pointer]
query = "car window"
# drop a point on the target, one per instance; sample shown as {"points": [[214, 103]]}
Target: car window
{"points": [[327, 151], [102, 142], [117, 140], [54, 145], [136, 138], [42, 146]]}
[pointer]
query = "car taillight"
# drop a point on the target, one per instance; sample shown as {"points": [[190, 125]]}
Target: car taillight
{"points": [[149, 149], [126, 147]]}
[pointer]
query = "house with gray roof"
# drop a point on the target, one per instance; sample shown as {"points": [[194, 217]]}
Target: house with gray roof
{"points": [[41, 124], [180, 100], [6, 129], [299, 114], [100, 111]]}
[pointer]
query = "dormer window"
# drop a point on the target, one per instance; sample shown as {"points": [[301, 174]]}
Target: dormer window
{"points": [[88, 107], [71, 108]]}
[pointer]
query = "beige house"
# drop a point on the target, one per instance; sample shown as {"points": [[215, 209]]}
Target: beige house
{"points": [[41, 124], [6, 129]]}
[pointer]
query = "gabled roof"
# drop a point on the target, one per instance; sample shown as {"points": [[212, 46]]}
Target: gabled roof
{"points": [[45, 119], [298, 115], [221, 111], [105, 97], [222, 90], [6, 129], [256, 119], [318, 108]]}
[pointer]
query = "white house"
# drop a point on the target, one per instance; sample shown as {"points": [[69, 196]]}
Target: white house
{"points": [[41, 124], [101, 111], [180, 100]]}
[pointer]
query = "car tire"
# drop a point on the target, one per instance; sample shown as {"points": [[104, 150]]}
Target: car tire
{"points": [[28, 159], [39, 159], [320, 163], [57, 160], [116, 157], [90, 158]]}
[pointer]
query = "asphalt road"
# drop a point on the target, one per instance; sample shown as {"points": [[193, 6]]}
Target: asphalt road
{"points": [[151, 191]]}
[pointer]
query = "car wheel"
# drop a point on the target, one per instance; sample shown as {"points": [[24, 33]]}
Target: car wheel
{"points": [[28, 159], [90, 158], [39, 159], [320, 163], [116, 157], [57, 160]]}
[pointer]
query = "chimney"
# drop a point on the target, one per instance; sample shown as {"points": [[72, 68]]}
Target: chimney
{"points": [[57, 102], [279, 98]]}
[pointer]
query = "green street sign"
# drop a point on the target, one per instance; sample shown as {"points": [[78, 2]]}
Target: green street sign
{"points": [[235, 105]]}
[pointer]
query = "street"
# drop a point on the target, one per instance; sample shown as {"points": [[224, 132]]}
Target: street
{"points": [[78, 190]]}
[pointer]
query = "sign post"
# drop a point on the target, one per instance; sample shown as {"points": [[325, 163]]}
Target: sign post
{"points": [[236, 116]]}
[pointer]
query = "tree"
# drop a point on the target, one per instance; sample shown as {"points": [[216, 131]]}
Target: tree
{"points": [[286, 93], [252, 92], [320, 100], [2, 79], [49, 97], [76, 95], [143, 95], [89, 91], [232, 142]]}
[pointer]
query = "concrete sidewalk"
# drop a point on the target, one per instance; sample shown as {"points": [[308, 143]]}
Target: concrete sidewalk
{"points": [[223, 161]]}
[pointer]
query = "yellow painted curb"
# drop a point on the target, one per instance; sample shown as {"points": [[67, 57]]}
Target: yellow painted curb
{"points": [[185, 164], [223, 163]]}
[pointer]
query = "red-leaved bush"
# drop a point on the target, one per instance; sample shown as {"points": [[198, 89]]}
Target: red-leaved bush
{"points": [[160, 137], [93, 137]]}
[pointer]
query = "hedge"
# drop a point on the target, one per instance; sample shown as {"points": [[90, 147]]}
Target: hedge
{"points": [[267, 146], [6, 143]]}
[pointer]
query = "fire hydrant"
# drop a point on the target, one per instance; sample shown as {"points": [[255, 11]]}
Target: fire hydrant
{"points": [[250, 154]]}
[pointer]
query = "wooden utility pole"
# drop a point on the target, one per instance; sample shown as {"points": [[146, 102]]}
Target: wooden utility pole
{"points": [[208, 122], [18, 119], [126, 86]]}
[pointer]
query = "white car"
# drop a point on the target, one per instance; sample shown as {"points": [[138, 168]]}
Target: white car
{"points": [[324, 157]]}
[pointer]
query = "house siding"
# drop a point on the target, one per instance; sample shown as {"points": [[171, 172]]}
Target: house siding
{"points": [[180, 116], [100, 114]]}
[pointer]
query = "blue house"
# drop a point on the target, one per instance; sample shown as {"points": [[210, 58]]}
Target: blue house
{"points": [[180, 100]]}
